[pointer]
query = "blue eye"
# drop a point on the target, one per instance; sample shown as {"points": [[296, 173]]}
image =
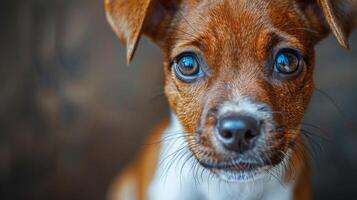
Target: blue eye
{"points": [[187, 67], [287, 63]]}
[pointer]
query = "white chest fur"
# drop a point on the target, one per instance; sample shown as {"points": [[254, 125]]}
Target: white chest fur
{"points": [[180, 177]]}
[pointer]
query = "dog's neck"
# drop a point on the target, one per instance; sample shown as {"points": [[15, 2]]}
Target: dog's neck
{"points": [[180, 176]]}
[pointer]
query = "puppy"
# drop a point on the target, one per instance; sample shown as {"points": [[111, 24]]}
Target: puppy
{"points": [[238, 78]]}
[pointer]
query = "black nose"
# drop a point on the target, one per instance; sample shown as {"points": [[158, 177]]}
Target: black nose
{"points": [[238, 132]]}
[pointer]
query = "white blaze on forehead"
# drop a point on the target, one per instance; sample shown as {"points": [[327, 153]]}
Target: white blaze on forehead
{"points": [[243, 105]]}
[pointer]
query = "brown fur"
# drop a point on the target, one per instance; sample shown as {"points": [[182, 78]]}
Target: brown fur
{"points": [[235, 39]]}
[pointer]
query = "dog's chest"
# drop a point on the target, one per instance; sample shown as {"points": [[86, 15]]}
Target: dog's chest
{"points": [[179, 176]]}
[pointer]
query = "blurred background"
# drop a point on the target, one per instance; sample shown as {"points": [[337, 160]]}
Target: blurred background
{"points": [[72, 114]]}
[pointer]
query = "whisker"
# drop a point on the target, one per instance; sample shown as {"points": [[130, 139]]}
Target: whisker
{"points": [[347, 120]]}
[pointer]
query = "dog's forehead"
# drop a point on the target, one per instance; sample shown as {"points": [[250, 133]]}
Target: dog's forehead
{"points": [[220, 18], [238, 9], [231, 25]]}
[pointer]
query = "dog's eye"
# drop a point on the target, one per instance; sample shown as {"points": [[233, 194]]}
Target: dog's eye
{"points": [[187, 67], [288, 64]]}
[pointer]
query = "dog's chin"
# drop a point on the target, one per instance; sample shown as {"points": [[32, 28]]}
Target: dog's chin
{"points": [[243, 172], [242, 175]]}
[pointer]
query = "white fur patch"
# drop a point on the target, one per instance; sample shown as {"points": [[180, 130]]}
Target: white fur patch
{"points": [[173, 179], [244, 106]]}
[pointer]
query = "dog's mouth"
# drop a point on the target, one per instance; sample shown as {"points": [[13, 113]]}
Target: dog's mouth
{"points": [[237, 170], [241, 167]]}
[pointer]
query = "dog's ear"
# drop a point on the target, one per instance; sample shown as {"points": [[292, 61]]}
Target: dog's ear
{"points": [[132, 18], [341, 16], [338, 16]]}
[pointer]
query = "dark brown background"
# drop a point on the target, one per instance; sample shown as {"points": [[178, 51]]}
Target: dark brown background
{"points": [[72, 113]]}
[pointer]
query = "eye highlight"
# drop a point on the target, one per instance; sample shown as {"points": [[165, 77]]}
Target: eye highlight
{"points": [[187, 67], [288, 64]]}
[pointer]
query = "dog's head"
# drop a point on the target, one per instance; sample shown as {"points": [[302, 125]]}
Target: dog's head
{"points": [[238, 73]]}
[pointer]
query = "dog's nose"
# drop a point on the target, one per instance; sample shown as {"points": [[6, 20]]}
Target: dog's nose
{"points": [[238, 132]]}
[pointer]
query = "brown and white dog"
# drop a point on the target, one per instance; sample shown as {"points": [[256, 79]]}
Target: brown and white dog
{"points": [[238, 77]]}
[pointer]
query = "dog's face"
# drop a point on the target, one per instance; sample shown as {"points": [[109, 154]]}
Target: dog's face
{"points": [[238, 74], [239, 77]]}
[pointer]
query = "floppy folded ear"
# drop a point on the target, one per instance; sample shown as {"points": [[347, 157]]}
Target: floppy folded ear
{"points": [[127, 18], [131, 18], [341, 16], [337, 16]]}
